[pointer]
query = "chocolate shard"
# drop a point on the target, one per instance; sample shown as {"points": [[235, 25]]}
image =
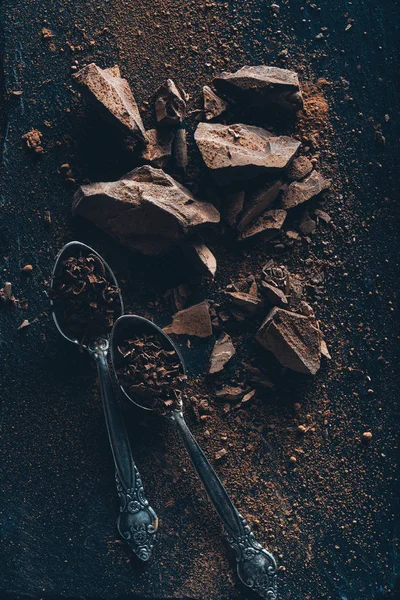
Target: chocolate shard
{"points": [[258, 203], [307, 224], [203, 259], [229, 393], [179, 149], [299, 168], [214, 106], [233, 206], [302, 191], [268, 224], [170, 104], [293, 339], [239, 152], [222, 352], [194, 320], [113, 96], [261, 86], [145, 210], [245, 301], [274, 295], [159, 148]]}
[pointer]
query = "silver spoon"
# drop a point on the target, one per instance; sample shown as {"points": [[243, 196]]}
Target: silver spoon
{"points": [[255, 566], [137, 522]]}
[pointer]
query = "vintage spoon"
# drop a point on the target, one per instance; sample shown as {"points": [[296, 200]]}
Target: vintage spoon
{"points": [[137, 522], [255, 566]]}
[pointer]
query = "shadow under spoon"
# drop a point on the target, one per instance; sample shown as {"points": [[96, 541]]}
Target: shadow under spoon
{"points": [[137, 522], [255, 566]]}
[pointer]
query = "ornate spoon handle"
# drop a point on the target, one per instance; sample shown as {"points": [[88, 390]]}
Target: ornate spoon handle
{"points": [[255, 566], [137, 522]]}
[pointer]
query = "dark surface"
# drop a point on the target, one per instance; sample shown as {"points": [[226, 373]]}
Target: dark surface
{"points": [[58, 505]]}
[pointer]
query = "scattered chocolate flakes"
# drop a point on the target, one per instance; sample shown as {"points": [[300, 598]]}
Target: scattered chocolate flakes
{"points": [[150, 372], [85, 302]]}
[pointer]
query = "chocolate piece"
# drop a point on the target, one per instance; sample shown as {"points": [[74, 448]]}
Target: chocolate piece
{"points": [[85, 301], [301, 191], [179, 149], [222, 352], [159, 148], [150, 372], [194, 320], [233, 206], [33, 141], [274, 295], [214, 106], [248, 302], [239, 152], [203, 259], [299, 168], [293, 339], [262, 86], [170, 104], [145, 210], [113, 96], [307, 225], [258, 203], [268, 224], [220, 454], [229, 393]]}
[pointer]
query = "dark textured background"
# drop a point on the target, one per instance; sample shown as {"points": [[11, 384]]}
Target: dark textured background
{"points": [[58, 503]]}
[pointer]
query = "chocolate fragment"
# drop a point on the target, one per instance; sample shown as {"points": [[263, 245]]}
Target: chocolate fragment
{"points": [[229, 393], [248, 302], [170, 104], [307, 225], [194, 320], [159, 148], [222, 352], [268, 224], [239, 152], [274, 295], [261, 86], [293, 339], [179, 149], [150, 372], [203, 259], [302, 191], [113, 97], [299, 168], [145, 210], [259, 203], [33, 141], [214, 106], [220, 454]]}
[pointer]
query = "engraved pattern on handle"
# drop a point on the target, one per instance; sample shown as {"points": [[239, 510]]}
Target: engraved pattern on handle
{"points": [[255, 566], [137, 522]]}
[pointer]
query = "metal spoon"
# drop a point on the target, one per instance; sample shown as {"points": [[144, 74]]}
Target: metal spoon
{"points": [[137, 522], [255, 566]]}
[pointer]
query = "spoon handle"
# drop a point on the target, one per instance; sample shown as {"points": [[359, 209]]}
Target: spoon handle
{"points": [[137, 522], [255, 566]]}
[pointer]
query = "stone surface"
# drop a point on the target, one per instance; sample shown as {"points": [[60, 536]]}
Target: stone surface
{"points": [[261, 86], [145, 210], [293, 339], [302, 191], [214, 106], [299, 168], [258, 203], [222, 352], [203, 259], [240, 152], [113, 96], [268, 224], [170, 104], [159, 148], [194, 320]]}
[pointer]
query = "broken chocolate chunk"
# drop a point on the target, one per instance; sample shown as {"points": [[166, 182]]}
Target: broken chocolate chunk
{"points": [[194, 320], [159, 148], [238, 152], [299, 168], [262, 86], [248, 302], [258, 203], [293, 339], [150, 372], [145, 210], [302, 191], [170, 104], [113, 96], [229, 393], [274, 295], [268, 224], [179, 149], [222, 352], [233, 206], [203, 259], [214, 106]]}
